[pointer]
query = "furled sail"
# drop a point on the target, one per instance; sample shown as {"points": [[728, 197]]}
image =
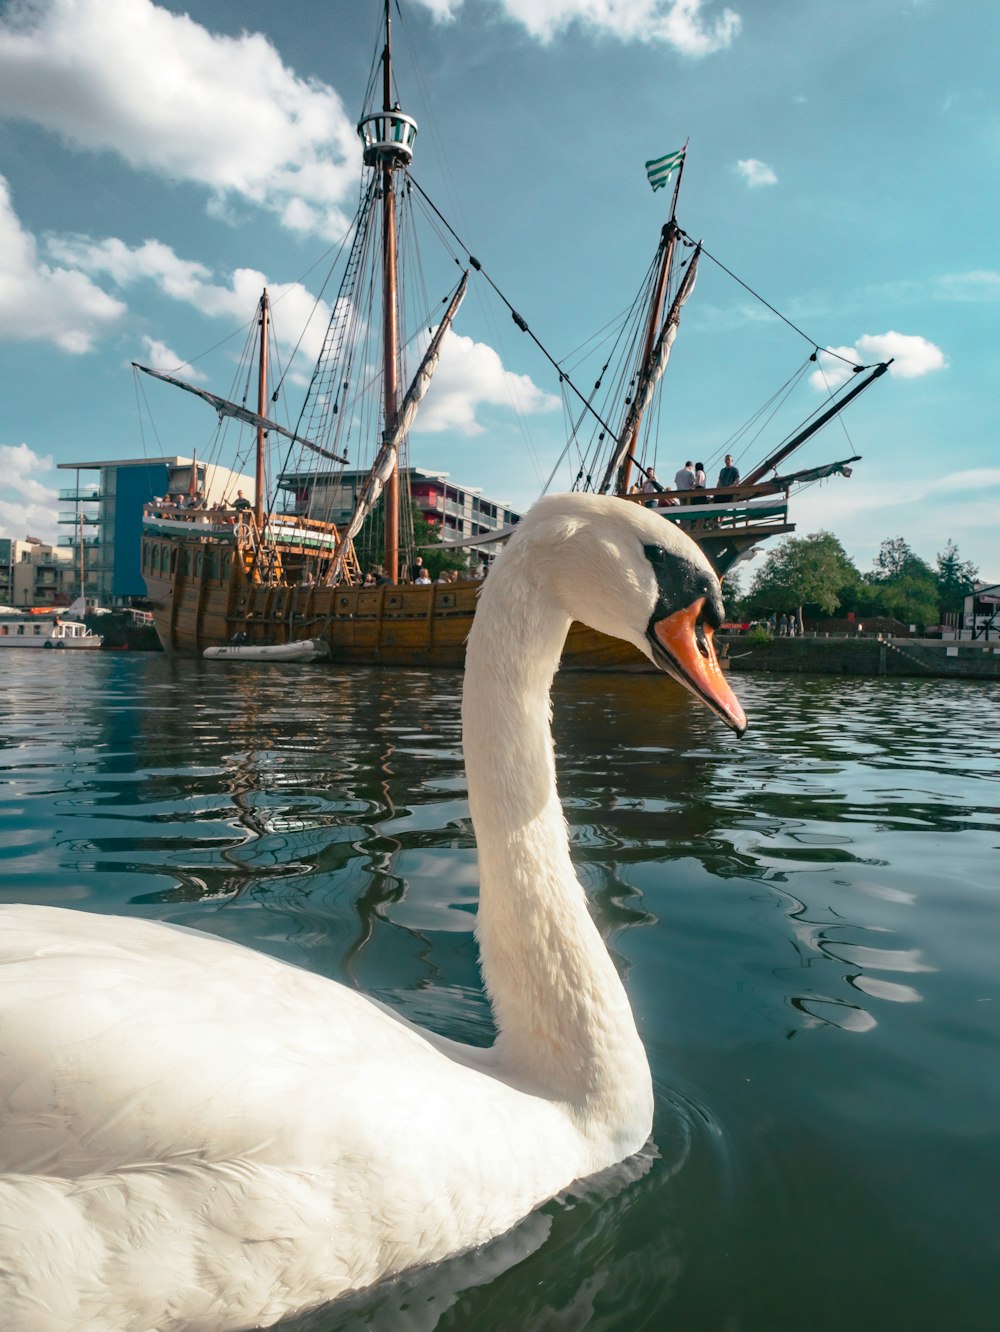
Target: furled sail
{"points": [[386, 459], [226, 408], [657, 365], [841, 468]]}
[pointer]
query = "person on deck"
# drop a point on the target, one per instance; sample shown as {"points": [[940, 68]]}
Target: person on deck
{"points": [[241, 502], [684, 480], [699, 482], [729, 475]]}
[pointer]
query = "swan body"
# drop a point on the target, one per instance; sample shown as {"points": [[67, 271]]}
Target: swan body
{"points": [[197, 1136]]}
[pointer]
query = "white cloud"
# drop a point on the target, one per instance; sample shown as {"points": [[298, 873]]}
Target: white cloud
{"points": [[169, 96], [27, 506], [471, 375], [162, 357], [443, 10], [42, 302], [193, 283], [755, 172], [912, 356], [973, 481], [681, 24], [979, 285]]}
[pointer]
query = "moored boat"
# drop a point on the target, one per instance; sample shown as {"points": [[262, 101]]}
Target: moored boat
{"points": [[306, 649], [45, 629]]}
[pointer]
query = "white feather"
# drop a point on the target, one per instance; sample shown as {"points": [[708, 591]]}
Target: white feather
{"points": [[195, 1135]]}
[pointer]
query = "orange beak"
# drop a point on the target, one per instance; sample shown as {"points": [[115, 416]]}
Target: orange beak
{"points": [[690, 658]]}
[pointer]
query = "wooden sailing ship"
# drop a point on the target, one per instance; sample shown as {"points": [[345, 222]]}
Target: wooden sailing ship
{"points": [[254, 575]]}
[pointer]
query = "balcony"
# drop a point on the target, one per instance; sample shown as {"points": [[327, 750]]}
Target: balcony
{"points": [[81, 494], [88, 519]]}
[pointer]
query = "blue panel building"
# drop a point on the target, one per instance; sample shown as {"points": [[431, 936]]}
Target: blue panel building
{"points": [[106, 516]]}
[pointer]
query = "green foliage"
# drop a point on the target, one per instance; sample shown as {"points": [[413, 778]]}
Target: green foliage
{"points": [[955, 578], [909, 597], [894, 560], [901, 585], [815, 571], [804, 571], [370, 541], [732, 592], [424, 535], [760, 634]]}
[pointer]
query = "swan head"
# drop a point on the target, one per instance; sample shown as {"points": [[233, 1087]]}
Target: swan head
{"points": [[627, 572]]}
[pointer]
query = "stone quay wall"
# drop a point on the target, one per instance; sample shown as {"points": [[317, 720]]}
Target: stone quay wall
{"points": [[866, 656]]}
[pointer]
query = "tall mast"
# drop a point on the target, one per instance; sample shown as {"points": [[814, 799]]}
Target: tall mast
{"points": [[388, 137], [668, 240], [390, 321], [258, 507]]}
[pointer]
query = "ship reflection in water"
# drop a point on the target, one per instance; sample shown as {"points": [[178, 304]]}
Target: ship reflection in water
{"points": [[806, 920]]}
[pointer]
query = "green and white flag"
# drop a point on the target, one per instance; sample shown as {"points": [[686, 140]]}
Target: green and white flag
{"points": [[661, 169]]}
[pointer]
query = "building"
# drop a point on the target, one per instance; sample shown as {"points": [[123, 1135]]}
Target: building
{"points": [[458, 512], [106, 515], [981, 611], [35, 574]]}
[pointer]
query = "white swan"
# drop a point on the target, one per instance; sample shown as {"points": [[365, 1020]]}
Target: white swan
{"points": [[197, 1136]]}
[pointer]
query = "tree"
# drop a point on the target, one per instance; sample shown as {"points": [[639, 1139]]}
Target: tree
{"points": [[805, 571], [910, 598], [426, 535], [896, 560], [370, 540], [891, 560], [732, 592], [955, 578], [901, 586]]}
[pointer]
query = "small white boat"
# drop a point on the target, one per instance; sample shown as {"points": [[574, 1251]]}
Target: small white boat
{"points": [[45, 629], [307, 649]]}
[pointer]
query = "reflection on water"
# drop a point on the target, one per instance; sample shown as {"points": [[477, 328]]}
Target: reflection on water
{"points": [[806, 920]]}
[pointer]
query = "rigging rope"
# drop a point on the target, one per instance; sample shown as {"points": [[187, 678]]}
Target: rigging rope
{"points": [[518, 319], [758, 297]]}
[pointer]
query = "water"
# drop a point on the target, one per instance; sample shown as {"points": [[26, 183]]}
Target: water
{"points": [[807, 920]]}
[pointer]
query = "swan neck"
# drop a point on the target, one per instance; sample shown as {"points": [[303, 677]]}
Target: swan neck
{"points": [[563, 1020]]}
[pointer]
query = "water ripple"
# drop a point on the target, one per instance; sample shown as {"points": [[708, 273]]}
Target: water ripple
{"points": [[805, 919]]}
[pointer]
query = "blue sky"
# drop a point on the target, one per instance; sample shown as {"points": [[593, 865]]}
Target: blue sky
{"points": [[160, 162]]}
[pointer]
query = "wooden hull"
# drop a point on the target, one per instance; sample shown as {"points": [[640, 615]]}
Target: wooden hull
{"points": [[366, 626], [202, 596]]}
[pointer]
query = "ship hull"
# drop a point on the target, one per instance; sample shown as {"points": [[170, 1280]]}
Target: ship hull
{"points": [[202, 595], [366, 626]]}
